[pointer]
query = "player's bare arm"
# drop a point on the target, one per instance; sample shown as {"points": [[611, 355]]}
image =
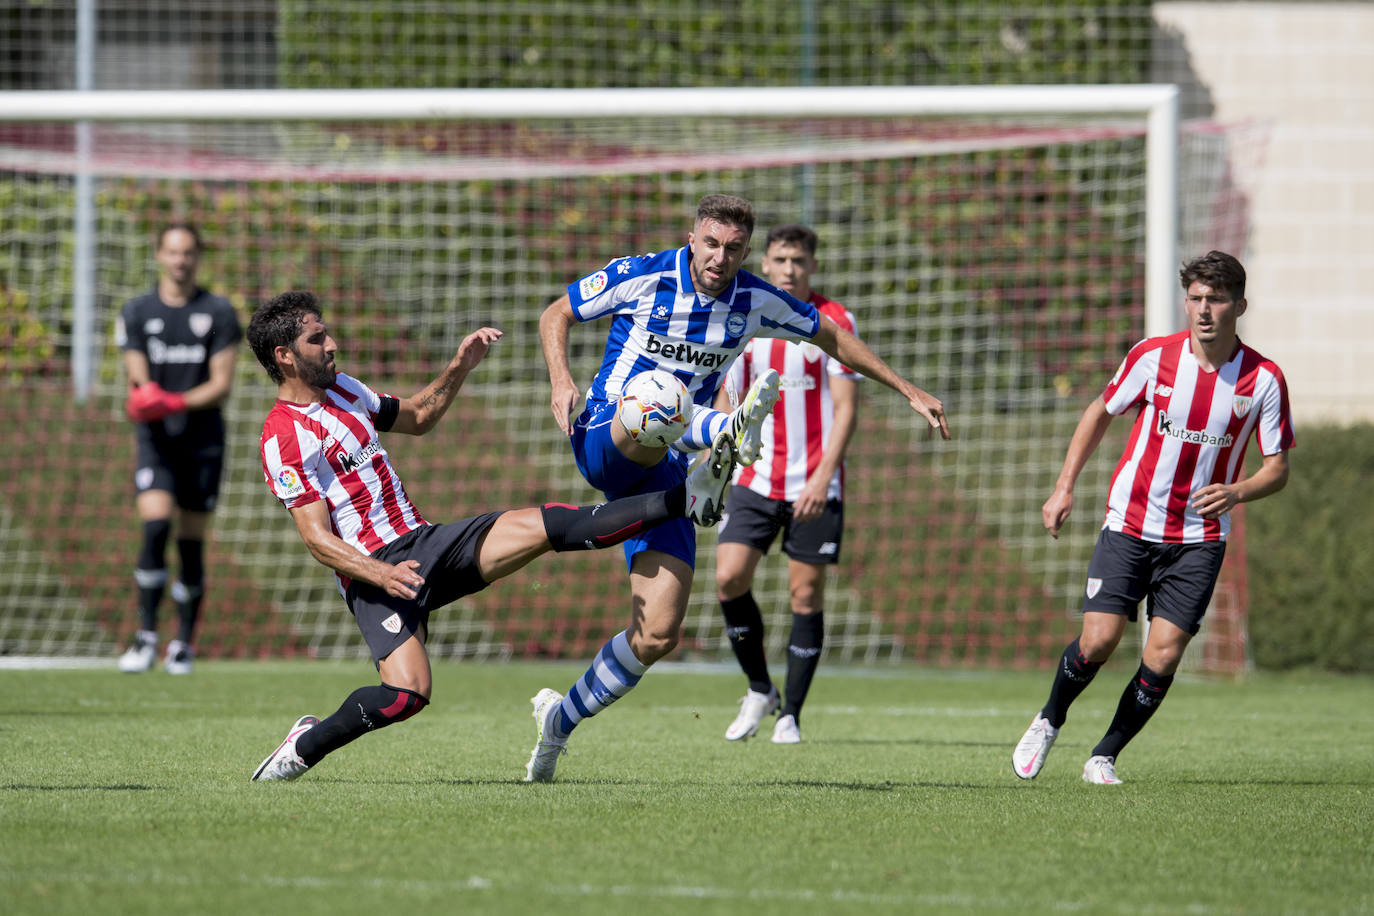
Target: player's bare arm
{"points": [[420, 412], [554, 325], [1092, 426], [312, 521], [1216, 499], [811, 501], [214, 391], [854, 353], [136, 367]]}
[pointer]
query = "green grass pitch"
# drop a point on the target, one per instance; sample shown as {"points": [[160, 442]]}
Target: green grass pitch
{"points": [[122, 794]]}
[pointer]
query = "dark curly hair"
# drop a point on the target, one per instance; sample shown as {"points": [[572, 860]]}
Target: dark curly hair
{"points": [[277, 323]]}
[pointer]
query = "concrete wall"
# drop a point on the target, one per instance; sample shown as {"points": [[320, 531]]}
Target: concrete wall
{"points": [[1305, 71]]}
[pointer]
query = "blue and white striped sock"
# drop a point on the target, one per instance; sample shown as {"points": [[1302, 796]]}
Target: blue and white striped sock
{"points": [[706, 424], [613, 674]]}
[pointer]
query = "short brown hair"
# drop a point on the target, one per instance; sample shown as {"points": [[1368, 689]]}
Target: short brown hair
{"points": [[793, 234], [1218, 270], [725, 208]]}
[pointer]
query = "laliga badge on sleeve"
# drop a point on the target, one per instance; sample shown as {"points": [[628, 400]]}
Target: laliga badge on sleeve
{"points": [[592, 286]]}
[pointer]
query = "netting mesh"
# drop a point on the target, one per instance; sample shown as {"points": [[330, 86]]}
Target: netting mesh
{"points": [[999, 265]]}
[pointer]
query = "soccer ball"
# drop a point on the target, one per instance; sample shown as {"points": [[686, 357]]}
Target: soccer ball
{"points": [[655, 408]]}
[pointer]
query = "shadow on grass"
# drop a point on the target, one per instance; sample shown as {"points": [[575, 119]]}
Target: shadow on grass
{"points": [[884, 785], [913, 742], [20, 787]]}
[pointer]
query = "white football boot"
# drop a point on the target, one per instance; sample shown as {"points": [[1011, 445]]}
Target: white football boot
{"points": [[141, 654], [709, 481], [178, 659], [1033, 747], [786, 731], [284, 762], [1101, 771], [548, 747], [747, 419], [752, 708]]}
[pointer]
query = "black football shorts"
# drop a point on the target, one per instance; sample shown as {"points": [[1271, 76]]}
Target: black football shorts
{"points": [[1175, 580]]}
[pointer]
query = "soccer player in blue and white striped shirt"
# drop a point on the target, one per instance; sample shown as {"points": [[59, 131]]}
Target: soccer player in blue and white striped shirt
{"points": [[688, 311]]}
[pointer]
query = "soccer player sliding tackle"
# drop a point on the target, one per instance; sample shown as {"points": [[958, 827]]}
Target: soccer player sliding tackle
{"points": [[323, 458]]}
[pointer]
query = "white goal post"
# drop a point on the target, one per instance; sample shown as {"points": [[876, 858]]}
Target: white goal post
{"points": [[1158, 103]]}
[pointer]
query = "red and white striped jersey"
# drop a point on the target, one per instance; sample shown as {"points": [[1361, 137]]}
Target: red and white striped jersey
{"points": [[1191, 431], [330, 451], [797, 432]]}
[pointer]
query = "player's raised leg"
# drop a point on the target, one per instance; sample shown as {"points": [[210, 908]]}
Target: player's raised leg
{"points": [[743, 424]]}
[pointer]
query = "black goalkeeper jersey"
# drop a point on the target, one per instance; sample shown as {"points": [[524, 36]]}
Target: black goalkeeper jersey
{"points": [[178, 343]]}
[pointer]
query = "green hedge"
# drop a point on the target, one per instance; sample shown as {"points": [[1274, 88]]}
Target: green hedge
{"points": [[353, 44], [1311, 557]]}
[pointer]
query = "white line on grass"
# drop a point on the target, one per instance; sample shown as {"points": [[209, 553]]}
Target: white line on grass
{"points": [[589, 890]]}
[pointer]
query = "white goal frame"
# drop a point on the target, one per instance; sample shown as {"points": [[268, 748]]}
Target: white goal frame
{"points": [[1158, 103]]}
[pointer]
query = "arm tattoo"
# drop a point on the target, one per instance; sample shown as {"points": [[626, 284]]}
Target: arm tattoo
{"points": [[438, 395]]}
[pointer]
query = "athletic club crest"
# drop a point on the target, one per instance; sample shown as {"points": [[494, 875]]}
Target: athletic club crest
{"points": [[392, 624], [1094, 586], [1241, 406], [201, 324]]}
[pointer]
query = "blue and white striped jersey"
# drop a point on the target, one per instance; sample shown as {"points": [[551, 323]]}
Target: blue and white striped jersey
{"points": [[659, 321]]}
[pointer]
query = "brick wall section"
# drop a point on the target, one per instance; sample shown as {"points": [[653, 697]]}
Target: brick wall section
{"points": [[1305, 70]]}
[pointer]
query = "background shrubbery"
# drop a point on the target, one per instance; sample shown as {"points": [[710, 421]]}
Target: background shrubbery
{"points": [[1311, 553]]}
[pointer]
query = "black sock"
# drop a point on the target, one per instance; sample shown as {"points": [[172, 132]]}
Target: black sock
{"points": [[1071, 678], [192, 586], [366, 709], [1138, 702], [592, 527], [151, 571], [744, 629], [803, 655]]}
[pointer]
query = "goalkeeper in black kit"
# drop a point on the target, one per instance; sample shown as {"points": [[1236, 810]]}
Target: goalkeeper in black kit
{"points": [[180, 344]]}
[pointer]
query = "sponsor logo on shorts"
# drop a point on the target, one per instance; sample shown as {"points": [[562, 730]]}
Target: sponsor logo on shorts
{"points": [[143, 478], [829, 548], [799, 652], [392, 624], [593, 286], [1094, 586]]}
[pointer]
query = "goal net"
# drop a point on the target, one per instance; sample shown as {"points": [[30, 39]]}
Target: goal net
{"points": [[1002, 260]]}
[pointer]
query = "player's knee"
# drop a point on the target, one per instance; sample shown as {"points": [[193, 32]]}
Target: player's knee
{"points": [[405, 704], [731, 583], [806, 599]]}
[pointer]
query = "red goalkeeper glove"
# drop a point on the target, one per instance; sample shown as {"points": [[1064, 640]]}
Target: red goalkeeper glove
{"points": [[150, 403]]}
